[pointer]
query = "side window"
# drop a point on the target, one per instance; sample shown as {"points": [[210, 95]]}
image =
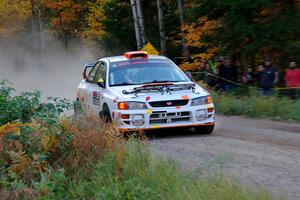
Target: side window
{"points": [[101, 73], [92, 73]]}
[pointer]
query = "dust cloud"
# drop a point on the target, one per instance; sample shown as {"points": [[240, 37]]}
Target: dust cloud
{"points": [[55, 72]]}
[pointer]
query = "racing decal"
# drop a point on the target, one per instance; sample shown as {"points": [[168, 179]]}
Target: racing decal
{"points": [[178, 107], [186, 97], [148, 98], [96, 98], [149, 112]]}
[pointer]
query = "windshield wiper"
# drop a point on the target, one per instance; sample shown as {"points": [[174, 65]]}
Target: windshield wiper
{"points": [[123, 84], [157, 81]]}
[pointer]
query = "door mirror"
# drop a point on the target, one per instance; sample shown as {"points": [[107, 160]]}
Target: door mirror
{"points": [[101, 83], [87, 68]]}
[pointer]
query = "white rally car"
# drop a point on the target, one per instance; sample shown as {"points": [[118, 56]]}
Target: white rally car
{"points": [[143, 92]]}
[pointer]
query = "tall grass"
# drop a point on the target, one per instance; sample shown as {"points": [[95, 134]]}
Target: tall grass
{"points": [[254, 105], [142, 177]]}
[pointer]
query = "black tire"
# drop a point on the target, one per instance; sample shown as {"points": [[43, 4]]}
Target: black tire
{"points": [[205, 130], [77, 109], [105, 114]]}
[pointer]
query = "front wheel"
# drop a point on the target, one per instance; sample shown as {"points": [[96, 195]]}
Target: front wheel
{"points": [[205, 130], [105, 114]]}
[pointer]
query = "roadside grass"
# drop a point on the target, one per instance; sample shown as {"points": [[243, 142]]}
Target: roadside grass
{"points": [[142, 177], [254, 105]]}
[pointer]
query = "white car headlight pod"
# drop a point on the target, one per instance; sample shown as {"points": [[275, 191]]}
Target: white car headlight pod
{"points": [[131, 105], [201, 101]]}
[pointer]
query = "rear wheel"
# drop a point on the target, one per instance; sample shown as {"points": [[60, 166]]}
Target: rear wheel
{"points": [[205, 130]]}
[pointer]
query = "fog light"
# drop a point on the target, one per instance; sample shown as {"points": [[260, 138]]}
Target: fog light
{"points": [[210, 110], [125, 116], [138, 120], [201, 114]]}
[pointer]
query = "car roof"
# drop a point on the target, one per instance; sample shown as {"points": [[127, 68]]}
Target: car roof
{"points": [[123, 58]]}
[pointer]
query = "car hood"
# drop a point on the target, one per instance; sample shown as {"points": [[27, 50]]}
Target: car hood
{"points": [[158, 96]]}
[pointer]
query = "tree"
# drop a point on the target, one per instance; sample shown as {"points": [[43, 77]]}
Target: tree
{"points": [[13, 15], [95, 17], [182, 23], [253, 29], [141, 21], [161, 22], [137, 27], [138, 20], [65, 18]]}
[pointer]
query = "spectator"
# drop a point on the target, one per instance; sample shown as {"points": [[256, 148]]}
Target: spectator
{"points": [[268, 77], [257, 74], [227, 72], [248, 76], [292, 78]]}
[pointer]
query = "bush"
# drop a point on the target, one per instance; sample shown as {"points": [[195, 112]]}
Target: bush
{"points": [[37, 146]]}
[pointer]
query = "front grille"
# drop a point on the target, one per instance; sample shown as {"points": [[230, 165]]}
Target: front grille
{"points": [[169, 103], [167, 118]]}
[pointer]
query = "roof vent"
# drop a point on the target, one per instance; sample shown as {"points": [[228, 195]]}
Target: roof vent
{"points": [[136, 54]]}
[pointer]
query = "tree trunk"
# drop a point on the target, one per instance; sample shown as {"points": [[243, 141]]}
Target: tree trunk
{"points": [[40, 38], [33, 27], [182, 21], [163, 47], [136, 24], [141, 21]]}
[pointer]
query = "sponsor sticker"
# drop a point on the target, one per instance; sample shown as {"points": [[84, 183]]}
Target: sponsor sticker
{"points": [[96, 98]]}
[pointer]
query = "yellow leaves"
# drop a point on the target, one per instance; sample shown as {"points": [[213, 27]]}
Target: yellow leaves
{"points": [[194, 35], [95, 17], [50, 142], [19, 161], [13, 14], [66, 15], [13, 128], [196, 31]]}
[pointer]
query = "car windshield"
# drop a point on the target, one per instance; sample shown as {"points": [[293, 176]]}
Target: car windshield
{"points": [[135, 72]]}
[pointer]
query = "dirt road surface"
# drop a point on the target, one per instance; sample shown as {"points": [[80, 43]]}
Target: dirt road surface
{"points": [[255, 152]]}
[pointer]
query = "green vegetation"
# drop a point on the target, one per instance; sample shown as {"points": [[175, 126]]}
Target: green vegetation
{"points": [[256, 105], [141, 177], [45, 156]]}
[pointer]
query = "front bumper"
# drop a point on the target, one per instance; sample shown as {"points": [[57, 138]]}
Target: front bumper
{"points": [[158, 118]]}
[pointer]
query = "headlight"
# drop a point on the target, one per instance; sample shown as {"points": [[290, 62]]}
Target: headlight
{"points": [[131, 105], [201, 101]]}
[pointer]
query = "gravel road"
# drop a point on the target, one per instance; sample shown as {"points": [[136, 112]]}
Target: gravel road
{"points": [[257, 153]]}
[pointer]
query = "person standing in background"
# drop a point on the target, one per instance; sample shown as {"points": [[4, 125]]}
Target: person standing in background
{"points": [[268, 77], [292, 79], [248, 76], [229, 74]]}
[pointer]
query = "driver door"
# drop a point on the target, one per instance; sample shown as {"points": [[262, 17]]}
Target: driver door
{"points": [[96, 91]]}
